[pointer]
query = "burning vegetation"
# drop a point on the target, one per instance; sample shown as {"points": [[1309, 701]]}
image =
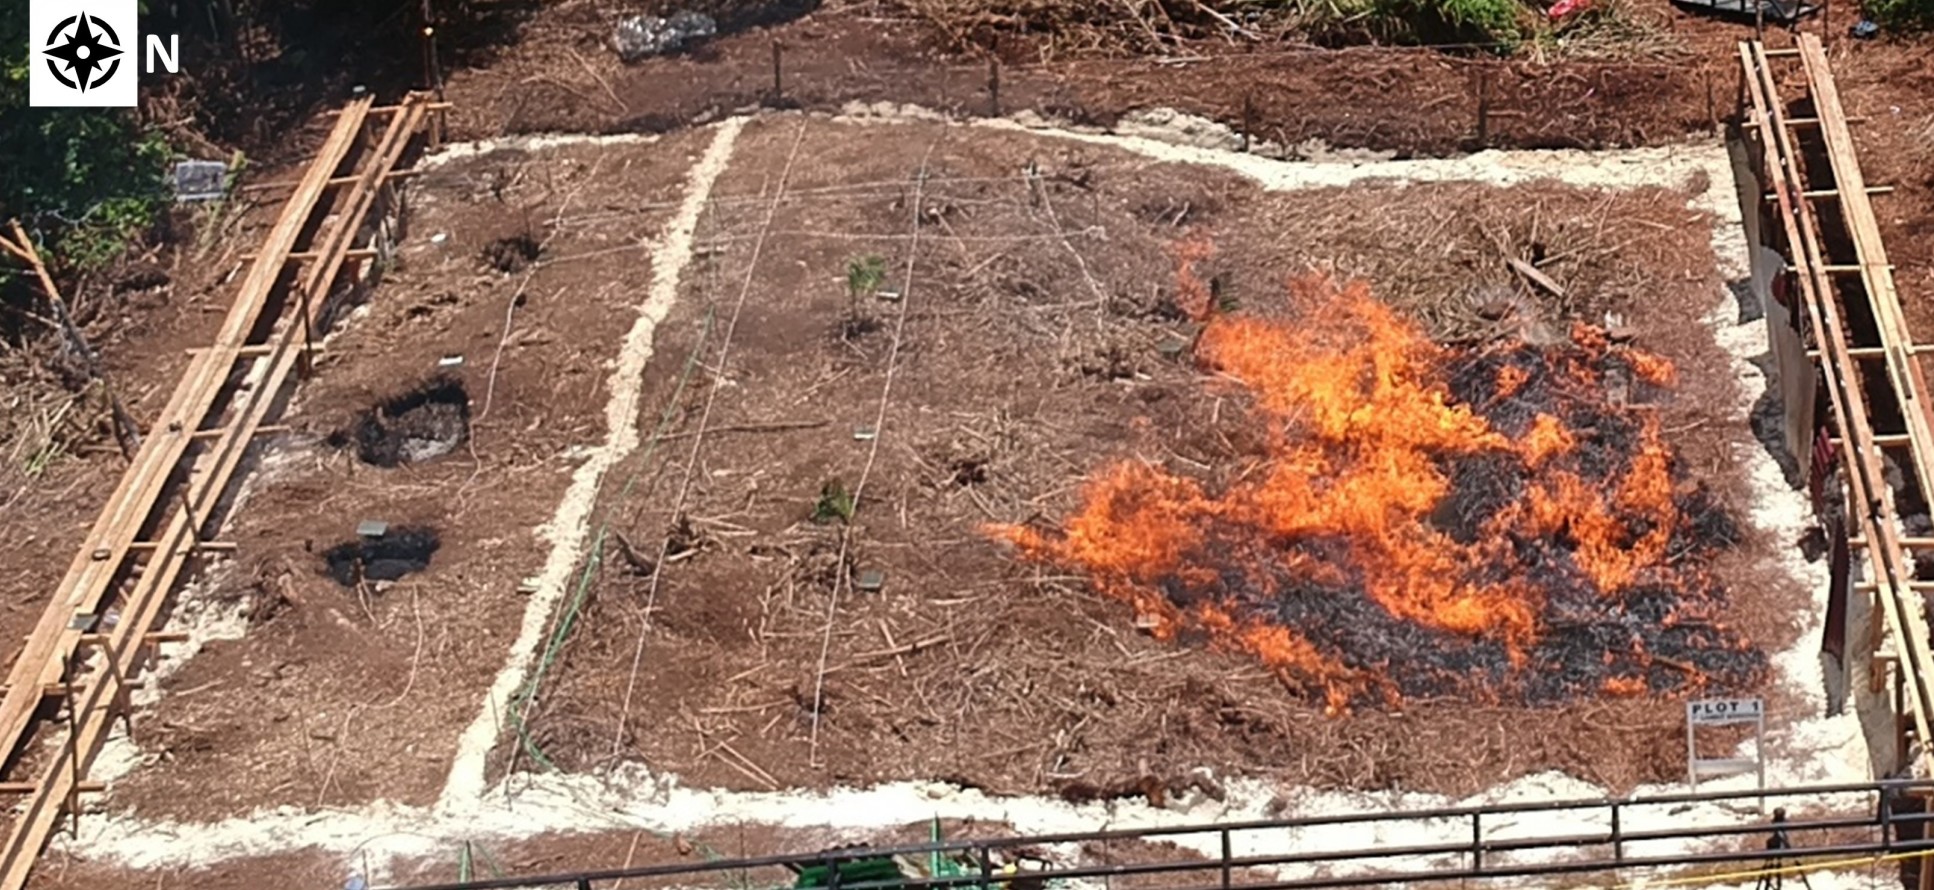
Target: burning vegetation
{"points": [[1501, 522]]}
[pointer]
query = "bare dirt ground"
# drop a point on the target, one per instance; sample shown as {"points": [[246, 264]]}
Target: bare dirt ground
{"points": [[356, 680], [295, 869], [141, 316], [561, 76], [339, 694], [1031, 353]]}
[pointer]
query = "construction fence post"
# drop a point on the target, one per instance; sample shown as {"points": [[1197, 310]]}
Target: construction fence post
{"points": [[1618, 838], [1477, 843], [778, 75], [1227, 868]]}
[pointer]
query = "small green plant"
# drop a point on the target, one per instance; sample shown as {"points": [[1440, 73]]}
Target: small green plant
{"points": [[835, 503], [864, 275]]}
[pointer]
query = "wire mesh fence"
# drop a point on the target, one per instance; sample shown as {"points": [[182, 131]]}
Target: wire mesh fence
{"points": [[1708, 837]]}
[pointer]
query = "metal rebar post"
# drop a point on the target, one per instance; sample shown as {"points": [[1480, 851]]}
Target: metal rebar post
{"points": [[993, 85], [1477, 843], [1618, 839], [1227, 868]]}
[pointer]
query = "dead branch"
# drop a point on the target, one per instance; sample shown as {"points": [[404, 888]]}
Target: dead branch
{"points": [[126, 434]]}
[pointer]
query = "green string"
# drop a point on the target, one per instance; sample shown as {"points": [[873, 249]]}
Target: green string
{"points": [[562, 632]]}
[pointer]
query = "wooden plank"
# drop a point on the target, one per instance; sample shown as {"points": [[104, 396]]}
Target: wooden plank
{"points": [[150, 591], [29, 787], [1865, 481], [141, 485], [1909, 381]]}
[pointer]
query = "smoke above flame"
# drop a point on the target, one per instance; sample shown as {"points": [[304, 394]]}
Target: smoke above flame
{"points": [[1497, 523]]}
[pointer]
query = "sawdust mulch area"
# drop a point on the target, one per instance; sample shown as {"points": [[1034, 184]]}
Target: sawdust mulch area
{"points": [[527, 266], [295, 868], [1021, 371]]}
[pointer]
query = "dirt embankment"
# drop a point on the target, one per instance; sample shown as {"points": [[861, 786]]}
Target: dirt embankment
{"points": [[1412, 102]]}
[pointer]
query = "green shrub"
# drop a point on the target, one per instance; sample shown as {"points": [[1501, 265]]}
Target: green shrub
{"points": [[85, 179], [1419, 21], [1902, 15]]}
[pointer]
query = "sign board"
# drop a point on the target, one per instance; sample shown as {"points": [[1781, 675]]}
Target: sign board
{"points": [[1726, 712]]}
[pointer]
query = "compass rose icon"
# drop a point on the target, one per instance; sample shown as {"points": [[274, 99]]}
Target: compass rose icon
{"points": [[83, 52]]}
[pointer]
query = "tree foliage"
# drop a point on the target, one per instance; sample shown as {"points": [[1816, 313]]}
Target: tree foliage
{"points": [[84, 179], [1904, 15]]}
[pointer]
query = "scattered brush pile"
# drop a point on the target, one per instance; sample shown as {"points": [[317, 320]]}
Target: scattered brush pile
{"points": [[1501, 523], [1085, 27]]}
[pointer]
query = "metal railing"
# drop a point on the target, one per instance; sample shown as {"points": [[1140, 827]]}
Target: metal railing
{"points": [[1864, 822]]}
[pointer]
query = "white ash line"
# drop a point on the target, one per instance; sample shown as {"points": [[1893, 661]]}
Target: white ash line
{"points": [[568, 529]]}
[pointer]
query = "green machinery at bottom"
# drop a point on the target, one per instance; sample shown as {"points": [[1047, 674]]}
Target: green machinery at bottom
{"points": [[900, 871]]}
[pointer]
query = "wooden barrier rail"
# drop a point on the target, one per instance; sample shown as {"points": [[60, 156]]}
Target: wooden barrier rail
{"points": [[1853, 364], [180, 475]]}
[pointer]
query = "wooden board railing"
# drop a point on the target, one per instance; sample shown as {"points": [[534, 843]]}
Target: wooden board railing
{"points": [[70, 662]]}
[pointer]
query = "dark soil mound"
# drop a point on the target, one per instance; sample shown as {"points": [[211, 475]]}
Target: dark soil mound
{"points": [[423, 424], [400, 552]]}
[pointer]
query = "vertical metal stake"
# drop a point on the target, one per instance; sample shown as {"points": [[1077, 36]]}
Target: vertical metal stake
{"points": [[1483, 108], [73, 746], [1227, 868], [1618, 839], [1759, 754], [1692, 753], [994, 85], [1885, 818], [778, 74], [1477, 843], [1248, 118], [986, 869]]}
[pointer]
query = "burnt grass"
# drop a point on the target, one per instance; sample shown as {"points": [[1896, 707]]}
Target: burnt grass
{"points": [[1017, 378], [1661, 632], [427, 422], [398, 552]]}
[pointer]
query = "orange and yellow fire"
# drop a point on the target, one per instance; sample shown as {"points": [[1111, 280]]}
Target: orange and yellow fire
{"points": [[1345, 565]]}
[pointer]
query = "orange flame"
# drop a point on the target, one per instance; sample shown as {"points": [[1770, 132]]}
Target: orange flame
{"points": [[1363, 426]]}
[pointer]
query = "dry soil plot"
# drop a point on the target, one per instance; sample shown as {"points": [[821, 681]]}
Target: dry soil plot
{"points": [[1031, 352], [347, 687]]}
